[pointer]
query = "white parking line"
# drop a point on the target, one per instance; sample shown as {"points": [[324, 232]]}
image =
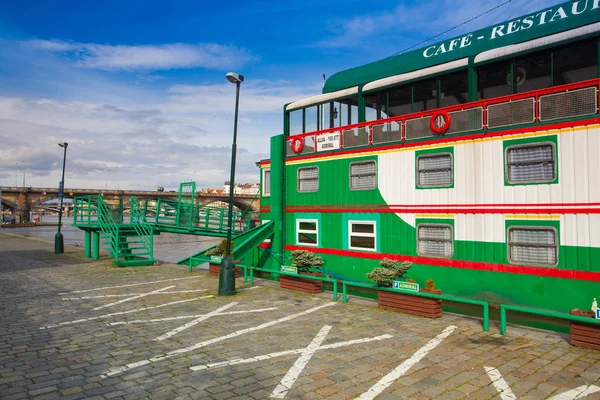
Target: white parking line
{"points": [[500, 384], [286, 353], [139, 296], [400, 370], [294, 372], [195, 322], [129, 285], [121, 313], [577, 393], [205, 343], [141, 321], [108, 296]]}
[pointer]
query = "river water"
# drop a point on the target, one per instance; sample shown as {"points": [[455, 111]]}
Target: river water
{"points": [[167, 246]]}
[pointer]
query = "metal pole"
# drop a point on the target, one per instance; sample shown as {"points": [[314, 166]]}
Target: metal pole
{"points": [[1, 210], [227, 269], [59, 245]]}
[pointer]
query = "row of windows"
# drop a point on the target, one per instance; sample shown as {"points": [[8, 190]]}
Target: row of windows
{"points": [[525, 164], [526, 245], [571, 63]]}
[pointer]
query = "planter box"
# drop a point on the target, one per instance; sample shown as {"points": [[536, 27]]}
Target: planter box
{"points": [[406, 303], [215, 269], [582, 334], [301, 285]]}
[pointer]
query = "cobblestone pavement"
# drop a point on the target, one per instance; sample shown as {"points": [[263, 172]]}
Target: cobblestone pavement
{"points": [[72, 328]]}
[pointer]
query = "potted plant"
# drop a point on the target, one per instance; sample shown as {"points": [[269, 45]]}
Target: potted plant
{"points": [[216, 254], [582, 334], [389, 271], [305, 262]]}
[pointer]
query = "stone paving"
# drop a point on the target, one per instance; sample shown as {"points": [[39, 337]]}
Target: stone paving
{"points": [[63, 336]]}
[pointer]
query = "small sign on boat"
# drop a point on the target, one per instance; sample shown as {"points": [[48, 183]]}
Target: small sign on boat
{"points": [[413, 287], [285, 268], [216, 258], [598, 313], [328, 141]]}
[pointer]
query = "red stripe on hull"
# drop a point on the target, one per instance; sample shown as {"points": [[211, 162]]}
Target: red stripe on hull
{"points": [[583, 210], [461, 264]]}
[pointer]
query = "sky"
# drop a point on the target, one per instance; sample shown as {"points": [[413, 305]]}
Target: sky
{"points": [[138, 88]]}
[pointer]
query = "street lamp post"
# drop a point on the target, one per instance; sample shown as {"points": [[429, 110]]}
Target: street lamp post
{"points": [[59, 245], [227, 269]]}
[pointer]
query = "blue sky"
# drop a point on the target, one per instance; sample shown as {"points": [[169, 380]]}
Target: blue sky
{"points": [[138, 90]]}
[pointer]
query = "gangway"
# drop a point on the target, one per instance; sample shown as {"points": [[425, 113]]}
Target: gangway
{"points": [[131, 242]]}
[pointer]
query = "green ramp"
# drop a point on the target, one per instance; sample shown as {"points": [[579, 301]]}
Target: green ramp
{"points": [[244, 243]]}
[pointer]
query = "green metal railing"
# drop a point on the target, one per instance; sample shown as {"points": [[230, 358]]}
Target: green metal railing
{"points": [[141, 226], [85, 210], [544, 313], [315, 278], [484, 304], [108, 226]]}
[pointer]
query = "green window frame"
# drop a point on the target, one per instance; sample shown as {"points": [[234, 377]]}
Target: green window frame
{"points": [[435, 237], [304, 177], [535, 160], [523, 246], [361, 180]]}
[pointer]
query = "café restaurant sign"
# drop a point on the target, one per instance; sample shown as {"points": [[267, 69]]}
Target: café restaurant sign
{"points": [[557, 13]]}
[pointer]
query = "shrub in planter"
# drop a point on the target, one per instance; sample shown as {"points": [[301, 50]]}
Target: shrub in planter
{"points": [[389, 271], [219, 251], [305, 261]]}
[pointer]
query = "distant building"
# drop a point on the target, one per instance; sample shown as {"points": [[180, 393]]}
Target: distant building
{"points": [[246, 188]]}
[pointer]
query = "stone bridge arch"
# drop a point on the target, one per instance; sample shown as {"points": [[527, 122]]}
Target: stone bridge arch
{"points": [[241, 203], [9, 204]]}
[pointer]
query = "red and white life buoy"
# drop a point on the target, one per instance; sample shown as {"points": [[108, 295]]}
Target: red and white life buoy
{"points": [[297, 145], [440, 122]]}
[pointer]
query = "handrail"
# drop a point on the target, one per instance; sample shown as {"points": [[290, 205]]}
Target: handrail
{"points": [[544, 313], [471, 105], [316, 278], [484, 304]]}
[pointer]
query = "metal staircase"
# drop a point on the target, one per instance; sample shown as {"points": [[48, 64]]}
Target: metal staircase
{"points": [[130, 245]]}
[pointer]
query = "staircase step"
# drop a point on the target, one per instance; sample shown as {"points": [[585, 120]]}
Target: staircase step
{"points": [[135, 263]]}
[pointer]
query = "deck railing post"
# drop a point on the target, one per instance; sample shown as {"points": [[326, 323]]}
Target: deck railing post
{"points": [[502, 319]]}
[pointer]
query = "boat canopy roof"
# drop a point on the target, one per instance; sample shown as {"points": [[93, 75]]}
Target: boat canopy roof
{"points": [[548, 22]]}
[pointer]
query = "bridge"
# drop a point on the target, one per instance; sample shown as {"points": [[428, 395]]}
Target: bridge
{"points": [[23, 200]]}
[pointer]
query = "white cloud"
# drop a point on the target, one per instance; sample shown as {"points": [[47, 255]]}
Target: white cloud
{"points": [[149, 57], [408, 24]]}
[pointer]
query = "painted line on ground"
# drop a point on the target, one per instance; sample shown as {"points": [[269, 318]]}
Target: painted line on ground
{"points": [[205, 343], [294, 372], [108, 296], [141, 321], [400, 370], [139, 296], [195, 322], [121, 313], [129, 285], [500, 384], [577, 393], [286, 353]]}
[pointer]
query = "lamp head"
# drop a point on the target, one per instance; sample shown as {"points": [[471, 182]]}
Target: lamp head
{"points": [[63, 144], [234, 77]]}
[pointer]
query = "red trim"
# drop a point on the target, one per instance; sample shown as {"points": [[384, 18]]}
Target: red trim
{"points": [[450, 139], [265, 162], [449, 210], [265, 209], [460, 264], [455, 205], [458, 107]]}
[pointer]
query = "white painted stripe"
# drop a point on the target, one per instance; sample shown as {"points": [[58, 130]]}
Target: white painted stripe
{"points": [[107, 296], [195, 322], [400, 370], [577, 393], [129, 285], [286, 353], [215, 340], [122, 313], [139, 296], [294, 372], [140, 321], [500, 384]]}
